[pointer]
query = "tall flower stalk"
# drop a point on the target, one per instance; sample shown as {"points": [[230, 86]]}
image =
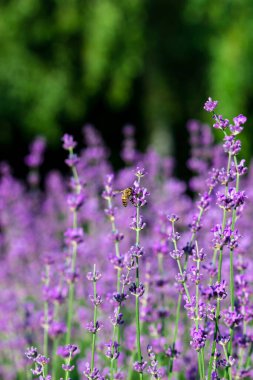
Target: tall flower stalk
{"points": [[240, 170], [46, 315], [138, 198], [117, 237], [203, 206], [225, 234], [117, 261], [94, 320], [137, 300], [74, 236], [94, 326], [117, 320], [177, 254], [67, 353]]}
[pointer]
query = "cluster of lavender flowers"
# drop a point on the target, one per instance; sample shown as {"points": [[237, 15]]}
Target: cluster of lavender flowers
{"points": [[160, 289]]}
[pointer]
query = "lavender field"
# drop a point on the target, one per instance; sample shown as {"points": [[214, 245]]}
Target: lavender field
{"points": [[132, 274]]}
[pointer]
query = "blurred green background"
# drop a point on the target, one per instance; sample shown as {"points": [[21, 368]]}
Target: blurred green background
{"points": [[151, 63]]}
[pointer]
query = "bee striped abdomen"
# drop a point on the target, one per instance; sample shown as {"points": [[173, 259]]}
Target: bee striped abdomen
{"points": [[126, 194]]}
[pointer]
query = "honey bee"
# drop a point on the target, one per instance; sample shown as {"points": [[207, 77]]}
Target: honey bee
{"points": [[125, 195]]}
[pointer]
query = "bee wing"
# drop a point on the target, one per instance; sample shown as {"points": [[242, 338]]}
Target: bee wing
{"points": [[117, 191]]}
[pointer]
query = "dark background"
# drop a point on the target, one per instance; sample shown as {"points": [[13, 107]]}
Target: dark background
{"points": [[151, 63]]}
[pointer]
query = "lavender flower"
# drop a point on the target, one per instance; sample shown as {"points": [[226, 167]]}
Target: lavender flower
{"points": [[238, 122], [232, 200], [117, 319], [94, 328], [137, 291], [74, 236], [72, 160], [153, 369], [31, 353], [198, 338], [94, 276], [68, 142], [139, 366], [37, 148], [139, 195], [112, 350], [177, 254], [210, 105], [75, 201], [231, 145], [232, 318], [97, 300], [219, 290], [220, 123], [92, 374], [120, 297], [68, 367], [68, 350]]}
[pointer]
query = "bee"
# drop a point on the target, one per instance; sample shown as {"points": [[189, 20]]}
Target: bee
{"points": [[125, 195]]}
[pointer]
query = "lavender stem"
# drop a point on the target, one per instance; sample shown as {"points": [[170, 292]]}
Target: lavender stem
{"points": [[73, 261], [94, 320], [231, 254], [179, 301], [46, 319], [137, 302], [217, 312]]}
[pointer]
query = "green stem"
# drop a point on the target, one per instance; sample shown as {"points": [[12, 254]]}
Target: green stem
{"points": [[232, 284], [46, 329], [201, 364], [73, 262], [114, 363], [201, 352], [45, 339], [137, 225], [161, 272], [71, 297], [138, 330], [241, 350], [68, 363], [137, 318], [116, 243], [175, 334], [54, 361], [94, 322], [184, 284], [179, 264], [214, 256], [229, 368], [193, 237], [248, 361], [112, 366], [214, 263], [217, 312], [217, 316], [145, 303], [137, 301], [55, 345]]}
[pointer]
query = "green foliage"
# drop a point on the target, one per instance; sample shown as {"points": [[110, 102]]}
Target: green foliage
{"points": [[230, 50], [114, 45], [58, 55], [59, 58]]}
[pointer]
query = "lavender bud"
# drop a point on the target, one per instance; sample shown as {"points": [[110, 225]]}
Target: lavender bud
{"points": [[210, 105]]}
